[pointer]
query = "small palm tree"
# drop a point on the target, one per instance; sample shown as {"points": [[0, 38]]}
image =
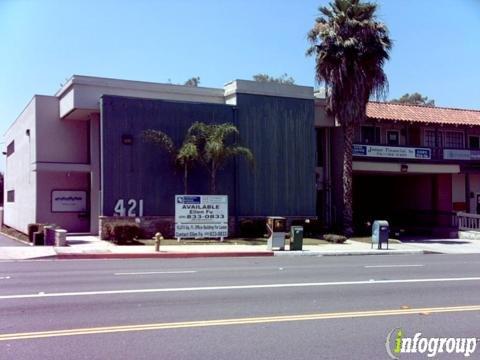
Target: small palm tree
{"points": [[214, 149], [184, 157], [350, 48]]}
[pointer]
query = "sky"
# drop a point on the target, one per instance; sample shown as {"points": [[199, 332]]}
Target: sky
{"points": [[42, 43]]}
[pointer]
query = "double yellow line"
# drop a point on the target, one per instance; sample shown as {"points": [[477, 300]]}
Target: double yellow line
{"points": [[239, 321]]}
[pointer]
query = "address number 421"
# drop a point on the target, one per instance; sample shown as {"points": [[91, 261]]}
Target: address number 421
{"points": [[130, 207]]}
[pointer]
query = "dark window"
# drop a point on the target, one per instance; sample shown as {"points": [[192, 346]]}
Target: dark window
{"points": [[474, 142], [393, 137], [370, 135], [11, 148], [11, 196], [433, 138], [454, 140]]}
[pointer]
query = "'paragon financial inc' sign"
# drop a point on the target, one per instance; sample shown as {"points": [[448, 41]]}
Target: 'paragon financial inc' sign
{"points": [[201, 216], [391, 152]]}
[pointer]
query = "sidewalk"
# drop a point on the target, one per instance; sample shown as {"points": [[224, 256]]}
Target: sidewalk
{"points": [[90, 247]]}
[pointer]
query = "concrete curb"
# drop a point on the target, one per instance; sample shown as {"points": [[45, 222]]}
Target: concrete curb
{"points": [[171, 255], [351, 253]]}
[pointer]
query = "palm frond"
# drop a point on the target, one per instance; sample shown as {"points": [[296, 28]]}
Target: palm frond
{"points": [[159, 138]]}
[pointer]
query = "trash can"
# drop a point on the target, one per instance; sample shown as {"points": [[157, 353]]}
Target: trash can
{"points": [[296, 237], [380, 232], [277, 227]]}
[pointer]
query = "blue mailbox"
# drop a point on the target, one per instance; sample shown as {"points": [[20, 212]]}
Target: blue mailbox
{"points": [[380, 232]]}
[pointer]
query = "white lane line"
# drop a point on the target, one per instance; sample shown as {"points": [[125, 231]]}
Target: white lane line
{"points": [[236, 287], [156, 272], [5, 277], [392, 266]]}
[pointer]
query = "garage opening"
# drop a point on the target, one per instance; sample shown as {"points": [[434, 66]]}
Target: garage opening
{"points": [[414, 204]]}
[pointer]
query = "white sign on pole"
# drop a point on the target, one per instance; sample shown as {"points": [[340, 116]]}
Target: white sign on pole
{"points": [[69, 201], [201, 216]]}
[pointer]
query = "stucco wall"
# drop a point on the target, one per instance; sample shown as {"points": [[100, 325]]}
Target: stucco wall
{"points": [[18, 174], [458, 192], [49, 181], [475, 189], [64, 141]]}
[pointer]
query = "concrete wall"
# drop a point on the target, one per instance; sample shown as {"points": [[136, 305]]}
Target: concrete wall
{"points": [[18, 169], [84, 92], [475, 189], [62, 141], [458, 192], [49, 181]]}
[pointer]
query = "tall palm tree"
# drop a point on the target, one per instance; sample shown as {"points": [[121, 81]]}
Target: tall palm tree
{"points": [[216, 147], [350, 48], [184, 157]]}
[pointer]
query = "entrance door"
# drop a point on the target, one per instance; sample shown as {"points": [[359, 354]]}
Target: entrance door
{"points": [[477, 197]]}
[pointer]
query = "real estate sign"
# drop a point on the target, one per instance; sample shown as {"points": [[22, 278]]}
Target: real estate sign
{"points": [[201, 216]]}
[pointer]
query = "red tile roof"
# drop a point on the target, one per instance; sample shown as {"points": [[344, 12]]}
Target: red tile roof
{"points": [[423, 114]]}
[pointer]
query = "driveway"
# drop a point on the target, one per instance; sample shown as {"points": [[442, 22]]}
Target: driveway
{"points": [[446, 246], [5, 241]]}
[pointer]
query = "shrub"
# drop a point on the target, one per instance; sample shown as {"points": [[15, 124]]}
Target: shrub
{"points": [[334, 238], [125, 233]]}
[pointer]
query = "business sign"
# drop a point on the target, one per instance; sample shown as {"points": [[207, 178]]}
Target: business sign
{"points": [[201, 216], [69, 201], [391, 152], [461, 154]]}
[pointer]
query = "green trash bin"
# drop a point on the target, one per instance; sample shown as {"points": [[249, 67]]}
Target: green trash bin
{"points": [[296, 238]]}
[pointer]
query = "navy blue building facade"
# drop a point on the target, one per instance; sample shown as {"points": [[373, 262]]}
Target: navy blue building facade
{"points": [[278, 130]]}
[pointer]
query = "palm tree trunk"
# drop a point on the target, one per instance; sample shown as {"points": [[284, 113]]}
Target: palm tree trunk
{"points": [[185, 178], [213, 179], [348, 180]]}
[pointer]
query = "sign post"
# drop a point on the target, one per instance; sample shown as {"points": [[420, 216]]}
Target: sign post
{"points": [[201, 216]]}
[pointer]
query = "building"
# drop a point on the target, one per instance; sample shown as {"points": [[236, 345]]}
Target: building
{"points": [[77, 159], [415, 166]]}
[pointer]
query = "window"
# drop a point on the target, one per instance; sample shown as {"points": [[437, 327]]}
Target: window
{"points": [[393, 137], [11, 196], [454, 139], [370, 135], [432, 138], [429, 138], [474, 142], [11, 148]]}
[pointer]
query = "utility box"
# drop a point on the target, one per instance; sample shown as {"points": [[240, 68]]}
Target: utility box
{"points": [[296, 237], [277, 227], [380, 232]]}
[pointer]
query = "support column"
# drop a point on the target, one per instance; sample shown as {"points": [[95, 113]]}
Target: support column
{"points": [[467, 192], [95, 172]]}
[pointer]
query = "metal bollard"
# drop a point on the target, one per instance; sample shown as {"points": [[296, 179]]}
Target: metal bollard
{"points": [[158, 238]]}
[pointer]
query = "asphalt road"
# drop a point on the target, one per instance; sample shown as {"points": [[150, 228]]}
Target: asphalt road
{"points": [[234, 308]]}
